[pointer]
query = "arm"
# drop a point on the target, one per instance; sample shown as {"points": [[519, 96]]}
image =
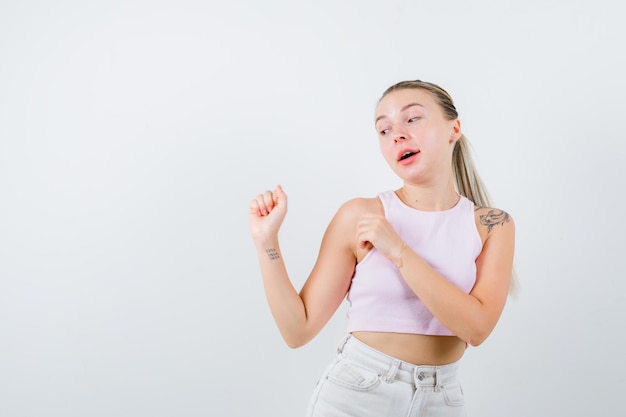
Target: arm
{"points": [[471, 317], [300, 316]]}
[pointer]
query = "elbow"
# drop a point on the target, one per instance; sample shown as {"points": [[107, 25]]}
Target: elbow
{"points": [[476, 330], [297, 335], [295, 341], [294, 344], [477, 337], [475, 341]]}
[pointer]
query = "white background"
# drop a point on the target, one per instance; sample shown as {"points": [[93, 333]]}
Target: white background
{"points": [[134, 133]]}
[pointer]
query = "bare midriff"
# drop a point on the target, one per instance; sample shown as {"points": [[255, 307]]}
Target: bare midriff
{"points": [[417, 349]]}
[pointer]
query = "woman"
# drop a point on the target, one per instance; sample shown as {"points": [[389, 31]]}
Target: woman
{"points": [[426, 268]]}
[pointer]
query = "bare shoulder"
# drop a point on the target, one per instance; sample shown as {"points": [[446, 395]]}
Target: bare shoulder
{"points": [[354, 208], [490, 220], [345, 219]]}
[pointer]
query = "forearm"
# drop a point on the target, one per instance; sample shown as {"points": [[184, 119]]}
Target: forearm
{"points": [[461, 313], [284, 300]]}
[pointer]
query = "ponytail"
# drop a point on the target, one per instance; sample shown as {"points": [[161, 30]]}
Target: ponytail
{"points": [[467, 180]]}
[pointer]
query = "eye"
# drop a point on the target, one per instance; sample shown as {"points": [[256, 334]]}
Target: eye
{"points": [[383, 129], [413, 119]]}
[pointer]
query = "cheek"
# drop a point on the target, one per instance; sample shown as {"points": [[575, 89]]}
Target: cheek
{"points": [[387, 151], [382, 146]]}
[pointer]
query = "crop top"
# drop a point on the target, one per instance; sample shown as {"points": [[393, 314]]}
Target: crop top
{"points": [[380, 299]]}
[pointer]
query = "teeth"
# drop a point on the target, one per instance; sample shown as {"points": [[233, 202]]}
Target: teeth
{"points": [[406, 155]]}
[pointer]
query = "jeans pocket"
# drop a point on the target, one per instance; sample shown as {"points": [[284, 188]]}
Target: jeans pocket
{"points": [[453, 394], [354, 377]]}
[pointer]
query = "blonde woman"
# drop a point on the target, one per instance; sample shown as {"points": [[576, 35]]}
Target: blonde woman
{"points": [[426, 269]]}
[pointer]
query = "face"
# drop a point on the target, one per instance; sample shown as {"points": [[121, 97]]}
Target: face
{"points": [[416, 138]]}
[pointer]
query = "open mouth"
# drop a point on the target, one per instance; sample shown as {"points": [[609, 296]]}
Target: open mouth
{"points": [[407, 155]]}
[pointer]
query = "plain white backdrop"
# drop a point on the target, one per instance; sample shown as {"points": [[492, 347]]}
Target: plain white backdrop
{"points": [[134, 133]]}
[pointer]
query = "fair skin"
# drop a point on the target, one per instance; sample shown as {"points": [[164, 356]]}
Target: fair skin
{"points": [[408, 120]]}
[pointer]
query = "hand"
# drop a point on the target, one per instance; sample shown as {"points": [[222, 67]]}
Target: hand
{"points": [[267, 212], [375, 230]]}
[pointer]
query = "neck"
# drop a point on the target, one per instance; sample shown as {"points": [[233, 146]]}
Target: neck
{"points": [[435, 198]]}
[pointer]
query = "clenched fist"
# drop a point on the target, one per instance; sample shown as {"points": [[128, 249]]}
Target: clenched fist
{"points": [[267, 212]]}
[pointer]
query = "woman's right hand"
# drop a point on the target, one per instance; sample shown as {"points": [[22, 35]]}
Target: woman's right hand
{"points": [[267, 212]]}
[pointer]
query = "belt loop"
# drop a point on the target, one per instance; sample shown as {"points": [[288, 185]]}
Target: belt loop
{"points": [[393, 370], [342, 344], [437, 379]]}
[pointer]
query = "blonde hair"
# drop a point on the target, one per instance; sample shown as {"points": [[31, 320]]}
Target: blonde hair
{"points": [[467, 181]]}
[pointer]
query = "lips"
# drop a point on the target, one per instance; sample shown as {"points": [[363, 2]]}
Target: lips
{"points": [[406, 153]]}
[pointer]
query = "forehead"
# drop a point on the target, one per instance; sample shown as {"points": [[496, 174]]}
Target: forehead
{"points": [[395, 101]]}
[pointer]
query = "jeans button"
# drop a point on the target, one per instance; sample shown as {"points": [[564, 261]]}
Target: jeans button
{"points": [[420, 376]]}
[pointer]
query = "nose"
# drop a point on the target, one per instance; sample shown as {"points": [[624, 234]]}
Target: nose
{"points": [[400, 133], [399, 136]]}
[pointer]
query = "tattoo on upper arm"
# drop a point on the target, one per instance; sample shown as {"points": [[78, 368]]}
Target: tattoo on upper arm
{"points": [[494, 217], [272, 253]]}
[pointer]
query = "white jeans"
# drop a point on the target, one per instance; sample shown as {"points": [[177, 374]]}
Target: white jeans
{"points": [[363, 382]]}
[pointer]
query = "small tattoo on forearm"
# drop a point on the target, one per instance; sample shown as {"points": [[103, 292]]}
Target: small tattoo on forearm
{"points": [[494, 217], [272, 254]]}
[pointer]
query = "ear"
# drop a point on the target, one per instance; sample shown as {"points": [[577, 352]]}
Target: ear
{"points": [[455, 133]]}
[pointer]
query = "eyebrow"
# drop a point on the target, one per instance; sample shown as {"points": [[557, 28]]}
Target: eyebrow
{"points": [[401, 110]]}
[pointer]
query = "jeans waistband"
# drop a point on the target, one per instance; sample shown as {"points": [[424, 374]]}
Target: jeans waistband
{"points": [[390, 368]]}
